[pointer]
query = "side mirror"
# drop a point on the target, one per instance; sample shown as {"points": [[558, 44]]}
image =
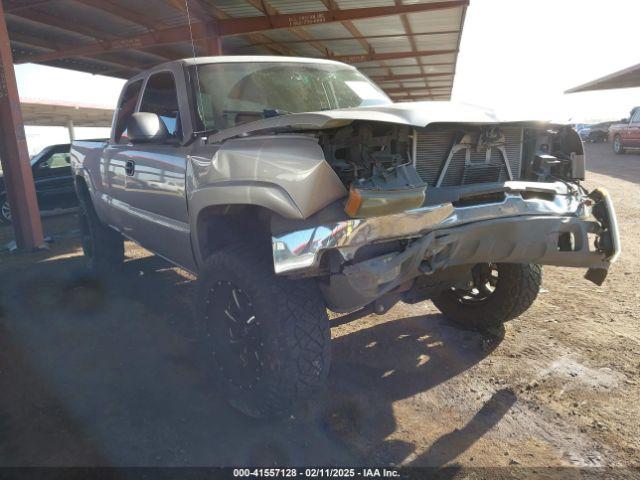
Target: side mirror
{"points": [[624, 120], [146, 127]]}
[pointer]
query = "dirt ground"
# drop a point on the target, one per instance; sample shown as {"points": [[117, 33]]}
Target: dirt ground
{"points": [[103, 372]]}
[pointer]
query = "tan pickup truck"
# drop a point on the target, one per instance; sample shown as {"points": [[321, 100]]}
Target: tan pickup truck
{"points": [[290, 186]]}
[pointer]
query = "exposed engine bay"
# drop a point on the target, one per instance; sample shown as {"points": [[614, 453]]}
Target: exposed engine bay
{"points": [[369, 153], [390, 167]]}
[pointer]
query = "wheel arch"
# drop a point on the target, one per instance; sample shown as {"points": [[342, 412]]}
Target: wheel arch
{"points": [[218, 226]]}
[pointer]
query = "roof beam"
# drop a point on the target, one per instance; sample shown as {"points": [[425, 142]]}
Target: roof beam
{"points": [[241, 25], [15, 5], [54, 21], [369, 67], [412, 40], [123, 12], [400, 78], [194, 7], [353, 30], [413, 89], [376, 57], [421, 97], [269, 10], [359, 37], [46, 19], [236, 26], [37, 42], [211, 14], [129, 15]]}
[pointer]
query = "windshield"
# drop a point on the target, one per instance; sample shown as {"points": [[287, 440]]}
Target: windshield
{"points": [[228, 94]]}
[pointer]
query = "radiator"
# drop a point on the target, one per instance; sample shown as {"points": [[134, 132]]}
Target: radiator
{"points": [[431, 149]]}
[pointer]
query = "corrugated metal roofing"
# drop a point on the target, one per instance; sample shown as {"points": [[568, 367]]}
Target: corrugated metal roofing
{"points": [[400, 42]]}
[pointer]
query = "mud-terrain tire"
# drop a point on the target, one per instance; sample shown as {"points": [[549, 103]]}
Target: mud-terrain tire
{"points": [[103, 247], [266, 337], [515, 288], [618, 147]]}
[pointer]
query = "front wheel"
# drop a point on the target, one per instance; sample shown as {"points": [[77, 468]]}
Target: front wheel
{"points": [[5, 211], [266, 337], [498, 292], [618, 147]]}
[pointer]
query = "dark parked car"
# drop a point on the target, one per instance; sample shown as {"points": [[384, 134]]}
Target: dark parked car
{"points": [[594, 133], [53, 180]]}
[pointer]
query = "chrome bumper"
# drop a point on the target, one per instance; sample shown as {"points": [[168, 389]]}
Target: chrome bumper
{"points": [[299, 252]]}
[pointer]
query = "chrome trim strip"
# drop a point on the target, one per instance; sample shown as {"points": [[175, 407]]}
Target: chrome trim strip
{"points": [[150, 217]]}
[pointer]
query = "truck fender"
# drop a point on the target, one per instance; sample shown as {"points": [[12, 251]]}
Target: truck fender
{"points": [[268, 197], [285, 174]]}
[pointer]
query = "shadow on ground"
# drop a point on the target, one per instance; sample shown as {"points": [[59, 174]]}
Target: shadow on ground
{"points": [[103, 372]]}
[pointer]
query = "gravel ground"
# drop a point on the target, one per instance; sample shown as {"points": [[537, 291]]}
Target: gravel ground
{"points": [[103, 372]]}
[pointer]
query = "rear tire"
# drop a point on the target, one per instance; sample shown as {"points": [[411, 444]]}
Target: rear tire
{"points": [[103, 247], [267, 337], [502, 294], [618, 147]]}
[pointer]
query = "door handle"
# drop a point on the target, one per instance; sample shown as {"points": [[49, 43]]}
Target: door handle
{"points": [[130, 167]]}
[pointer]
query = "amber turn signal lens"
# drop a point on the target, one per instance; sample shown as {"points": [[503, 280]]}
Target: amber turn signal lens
{"points": [[354, 202]]}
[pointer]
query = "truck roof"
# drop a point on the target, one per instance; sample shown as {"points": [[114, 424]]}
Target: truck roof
{"points": [[255, 58], [235, 59]]}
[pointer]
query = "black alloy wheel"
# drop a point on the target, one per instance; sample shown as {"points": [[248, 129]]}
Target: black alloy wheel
{"points": [[483, 285], [240, 361], [496, 293]]}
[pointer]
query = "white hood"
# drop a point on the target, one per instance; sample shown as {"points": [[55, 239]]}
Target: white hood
{"points": [[417, 114]]}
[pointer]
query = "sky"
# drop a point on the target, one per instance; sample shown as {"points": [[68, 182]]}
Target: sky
{"points": [[516, 56], [519, 56]]}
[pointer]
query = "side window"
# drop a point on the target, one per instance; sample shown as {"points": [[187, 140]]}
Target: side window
{"points": [[160, 97], [57, 160], [636, 117], [125, 110]]}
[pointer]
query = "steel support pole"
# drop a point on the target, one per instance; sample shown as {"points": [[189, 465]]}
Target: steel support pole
{"points": [[214, 45], [14, 155], [71, 128]]}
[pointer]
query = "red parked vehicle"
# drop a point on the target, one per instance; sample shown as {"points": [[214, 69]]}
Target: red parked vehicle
{"points": [[626, 134]]}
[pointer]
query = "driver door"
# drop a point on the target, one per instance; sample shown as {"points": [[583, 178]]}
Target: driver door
{"points": [[153, 198], [53, 180]]}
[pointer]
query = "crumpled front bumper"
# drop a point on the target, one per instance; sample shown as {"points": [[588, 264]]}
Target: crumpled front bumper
{"points": [[541, 223], [525, 227]]}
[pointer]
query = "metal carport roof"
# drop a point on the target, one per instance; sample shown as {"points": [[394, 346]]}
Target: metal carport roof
{"points": [[409, 47], [627, 78]]}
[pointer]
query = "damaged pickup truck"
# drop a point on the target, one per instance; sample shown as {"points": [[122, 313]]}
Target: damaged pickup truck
{"points": [[289, 186]]}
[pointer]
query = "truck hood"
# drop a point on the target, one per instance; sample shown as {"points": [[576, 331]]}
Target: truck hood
{"points": [[417, 114]]}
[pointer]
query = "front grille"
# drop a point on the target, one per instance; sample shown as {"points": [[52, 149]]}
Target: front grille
{"points": [[432, 148]]}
